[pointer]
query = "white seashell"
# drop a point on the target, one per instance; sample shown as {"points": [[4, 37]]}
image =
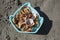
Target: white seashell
{"points": [[30, 21], [34, 16]]}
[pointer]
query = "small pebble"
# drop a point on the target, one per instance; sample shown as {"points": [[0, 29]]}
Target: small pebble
{"points": [[45, 39], [15, 38], [1, 15], [7, 28], [0, 19], [5, 20], [13, 0], [7, 37], [19, 3], [10, 7], [36, 3], [7, 16]]}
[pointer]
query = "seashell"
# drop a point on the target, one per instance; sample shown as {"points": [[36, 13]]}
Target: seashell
{"points": [[30, 15], [29, 30], [23, 27], [27, 26], [26, 10], [17, 17], [34, 16], [20, 23], [30, 22], [22, 12], [14, 20]]}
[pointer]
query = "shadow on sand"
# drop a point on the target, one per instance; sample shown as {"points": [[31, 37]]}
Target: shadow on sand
{"points": [[47, 25]]}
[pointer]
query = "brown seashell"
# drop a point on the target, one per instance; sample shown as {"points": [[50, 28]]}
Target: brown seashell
{"points": [[17, 17], [36, 23], [22, 12], [27, 26], [14, 20], [26, 10], [30, 15], [20, 23], [23, 27], [29, 30]]}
